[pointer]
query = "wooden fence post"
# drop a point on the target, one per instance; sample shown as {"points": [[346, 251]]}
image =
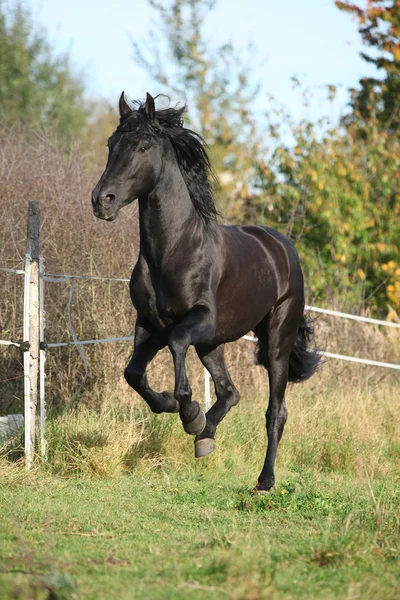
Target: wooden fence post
{"points": [[42, 358], [31, 329]]}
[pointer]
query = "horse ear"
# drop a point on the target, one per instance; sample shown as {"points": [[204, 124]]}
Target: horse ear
{"points": [[124, 107], [150, 107]]}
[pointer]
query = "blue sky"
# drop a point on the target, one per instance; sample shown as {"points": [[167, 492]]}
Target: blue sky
{"points": [[310, 38]]}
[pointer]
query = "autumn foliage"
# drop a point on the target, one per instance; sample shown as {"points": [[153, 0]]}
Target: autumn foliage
{"points": [[333, 188], [379, 27], [339, 200]]}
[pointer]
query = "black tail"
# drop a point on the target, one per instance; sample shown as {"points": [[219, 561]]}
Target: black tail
{"points": [[303, 360]]}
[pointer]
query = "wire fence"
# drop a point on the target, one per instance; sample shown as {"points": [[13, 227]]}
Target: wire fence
{"points": [[60, 278], [48, 346]]}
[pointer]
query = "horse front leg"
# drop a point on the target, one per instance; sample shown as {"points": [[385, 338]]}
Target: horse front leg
{"points": [[226, 392], [197, 327], [146, 346]]}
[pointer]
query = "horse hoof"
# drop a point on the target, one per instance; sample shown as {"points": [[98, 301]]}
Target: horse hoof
{"points": [[196, 426], [265, 487], [204, 447]]}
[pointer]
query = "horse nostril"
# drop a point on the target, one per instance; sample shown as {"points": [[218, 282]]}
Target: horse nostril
{"points": [[107, 199]]}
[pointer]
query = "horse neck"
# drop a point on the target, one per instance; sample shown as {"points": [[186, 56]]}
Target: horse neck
{"points": [[167, 215]]}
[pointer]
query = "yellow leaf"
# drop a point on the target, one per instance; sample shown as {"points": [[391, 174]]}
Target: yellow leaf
{"points": [[361, 274]]}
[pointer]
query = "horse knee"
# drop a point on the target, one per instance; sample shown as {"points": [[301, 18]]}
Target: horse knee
{"points": [[183, 392], [132, 378]]}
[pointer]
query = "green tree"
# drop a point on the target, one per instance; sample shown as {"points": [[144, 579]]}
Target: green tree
{"points": [[338, 197], [36, 86], [215, 81], [378, 98], [335, 195], [341, 194]]}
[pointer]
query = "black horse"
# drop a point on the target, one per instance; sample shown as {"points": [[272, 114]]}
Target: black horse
{"points": [[199, 283]]}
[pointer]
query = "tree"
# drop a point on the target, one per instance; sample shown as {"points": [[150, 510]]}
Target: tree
{"points": [[216, 84], [375, 120], [342, 193], [335, 196], [379, 26], [35, 85]]}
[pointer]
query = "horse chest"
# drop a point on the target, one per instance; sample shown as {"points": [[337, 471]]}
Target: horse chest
{"points": [[158, 299]]}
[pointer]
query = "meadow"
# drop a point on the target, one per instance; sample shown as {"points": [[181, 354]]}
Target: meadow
{"points": [[121, 507]]}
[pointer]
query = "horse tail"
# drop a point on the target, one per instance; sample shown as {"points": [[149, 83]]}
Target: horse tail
{"points": [[303, 360]]}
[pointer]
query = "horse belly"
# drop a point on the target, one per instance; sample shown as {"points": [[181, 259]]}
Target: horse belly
{"points": [[242, 304]]}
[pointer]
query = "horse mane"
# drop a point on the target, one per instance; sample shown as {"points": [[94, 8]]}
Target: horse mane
{"points": [[190, 151]]}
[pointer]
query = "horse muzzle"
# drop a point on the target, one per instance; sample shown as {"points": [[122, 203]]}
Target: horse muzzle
{"points": [[104, 206]]}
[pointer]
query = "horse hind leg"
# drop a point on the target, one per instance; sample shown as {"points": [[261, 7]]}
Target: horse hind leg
{"points": [[227, 397], [277, 334], [276, 417]]}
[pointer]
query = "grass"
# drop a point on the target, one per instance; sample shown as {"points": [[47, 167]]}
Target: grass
{"points": [[121, 509], [200, 535]]}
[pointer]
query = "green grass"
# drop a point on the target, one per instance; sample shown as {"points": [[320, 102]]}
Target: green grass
{"points": [[199, 535], [123, 510]]}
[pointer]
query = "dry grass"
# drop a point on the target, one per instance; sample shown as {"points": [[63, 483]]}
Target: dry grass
{"points": [[339, 456], [72, 241], [33, 166], [351, 430]]}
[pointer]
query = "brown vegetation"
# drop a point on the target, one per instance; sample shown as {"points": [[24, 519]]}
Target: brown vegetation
{"points": [[73, 242]]}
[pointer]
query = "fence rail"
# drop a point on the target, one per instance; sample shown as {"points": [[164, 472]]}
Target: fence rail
{"points": [[129, 338], [15, 271], [34, 369], [60, 277], [336, 313], [7, 343]]}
